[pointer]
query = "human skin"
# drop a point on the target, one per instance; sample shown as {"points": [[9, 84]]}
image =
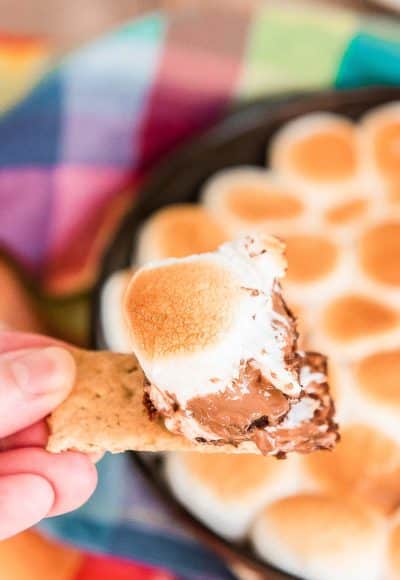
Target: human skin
{"points": [[36, 375]]}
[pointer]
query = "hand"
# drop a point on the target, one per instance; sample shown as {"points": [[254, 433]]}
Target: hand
{"points": [[36, 375]]}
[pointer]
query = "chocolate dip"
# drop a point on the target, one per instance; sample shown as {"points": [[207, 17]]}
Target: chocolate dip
{"points": [[259, 413], [232, 413]]}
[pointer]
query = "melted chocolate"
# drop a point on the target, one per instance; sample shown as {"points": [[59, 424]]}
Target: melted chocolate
{"points": [[250, 401], [258, 414], [320, 432], [252, 409]]}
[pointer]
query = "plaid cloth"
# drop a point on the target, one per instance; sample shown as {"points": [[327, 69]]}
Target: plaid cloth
{"points": [[78, 139]]}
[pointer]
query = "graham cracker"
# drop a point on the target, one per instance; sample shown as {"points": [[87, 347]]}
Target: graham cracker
{"points": [[105, 412]]}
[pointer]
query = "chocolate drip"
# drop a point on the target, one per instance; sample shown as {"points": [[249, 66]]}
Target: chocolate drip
{"points": [[236, 411], [320, 432], [258, 415]]}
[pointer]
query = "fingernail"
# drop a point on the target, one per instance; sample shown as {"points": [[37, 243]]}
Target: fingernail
{"points": [[39, 371]]}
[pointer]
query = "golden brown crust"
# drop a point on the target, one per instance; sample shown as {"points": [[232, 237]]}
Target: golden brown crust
{"points": [[378, 376], [181, 307], [385, 146], [255, 203], [346, 212], [184, 229], [310, 257], [354, 316], [380, 252], [327, 154]]}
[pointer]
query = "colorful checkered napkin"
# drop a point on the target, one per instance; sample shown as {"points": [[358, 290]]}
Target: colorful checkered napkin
{"points": [[75, 147]]}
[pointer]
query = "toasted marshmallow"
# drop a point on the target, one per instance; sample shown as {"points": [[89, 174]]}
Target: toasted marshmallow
{"points": [[317, 268], [354, 316], [115, 329], [177, 231], [250, 198], [218, 348], [321, 537], [347, 213], [376, 384], [194, 320], [226, 491], [311, 258], [353, 324], [319, 152], [379, 253], [380, 139], [365, 464]]}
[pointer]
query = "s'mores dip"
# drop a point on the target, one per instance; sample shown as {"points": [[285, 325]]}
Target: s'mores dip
{"points": [[218, 348]]}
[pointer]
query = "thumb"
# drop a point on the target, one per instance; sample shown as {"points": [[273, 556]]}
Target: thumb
{"points": [[32, 382]]}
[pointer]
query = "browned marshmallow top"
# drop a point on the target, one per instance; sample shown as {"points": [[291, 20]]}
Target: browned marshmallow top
{"points": [[218, 346], [168, 318]]}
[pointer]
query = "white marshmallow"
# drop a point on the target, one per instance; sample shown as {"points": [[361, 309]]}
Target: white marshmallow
{"points": [[115, 329], [256, 265]]}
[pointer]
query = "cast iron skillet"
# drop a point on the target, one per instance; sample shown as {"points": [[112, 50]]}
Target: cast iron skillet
{"points": [[240, 139]]}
